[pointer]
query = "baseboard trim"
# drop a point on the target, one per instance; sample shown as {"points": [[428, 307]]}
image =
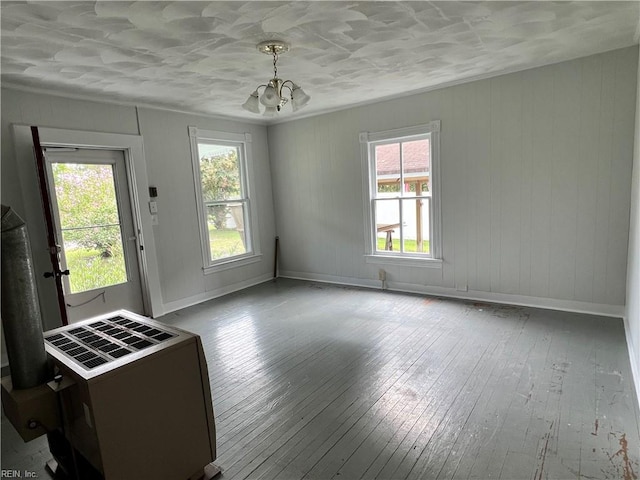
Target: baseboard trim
{"points": [[170, 307], [346, 281], [616, 311]]}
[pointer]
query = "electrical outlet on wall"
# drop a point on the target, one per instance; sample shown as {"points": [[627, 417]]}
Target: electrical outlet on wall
{"points": [[382, 275]]}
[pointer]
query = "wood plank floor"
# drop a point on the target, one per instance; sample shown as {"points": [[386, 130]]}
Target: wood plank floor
{"points": [[314, 381]]}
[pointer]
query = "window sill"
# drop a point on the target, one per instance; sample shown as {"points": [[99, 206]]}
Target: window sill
{"points": [[405, 261], [232, 263]]}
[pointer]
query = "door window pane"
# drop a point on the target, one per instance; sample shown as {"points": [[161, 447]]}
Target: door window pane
{"points": [[90, 224], [86, 194], [91, 263]]}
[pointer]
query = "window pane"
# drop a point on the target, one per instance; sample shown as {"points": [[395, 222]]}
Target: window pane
{"points": [[388, 168], [94, 257], [387, 214], [86, 194], [415, 166], [415, 225], [90, 225], [219, 172], [227, 236]]}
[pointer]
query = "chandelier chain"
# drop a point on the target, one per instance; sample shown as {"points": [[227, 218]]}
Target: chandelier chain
{"points": [[275, 66]]}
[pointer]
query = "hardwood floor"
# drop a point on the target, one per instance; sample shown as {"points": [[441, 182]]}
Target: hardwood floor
{"points": [[314, 381]]}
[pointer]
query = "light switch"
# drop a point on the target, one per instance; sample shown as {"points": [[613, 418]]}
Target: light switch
{"points": [[154, 219], [153, 207]]}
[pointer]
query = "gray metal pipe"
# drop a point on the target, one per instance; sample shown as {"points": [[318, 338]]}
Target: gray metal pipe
{"points": [[21, 317]]}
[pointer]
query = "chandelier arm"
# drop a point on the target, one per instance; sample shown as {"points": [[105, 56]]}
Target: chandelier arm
{"points": [[284, 85]]}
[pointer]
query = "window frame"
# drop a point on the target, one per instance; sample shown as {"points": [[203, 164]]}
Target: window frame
{"points": [[368, 142], [243, 142]]}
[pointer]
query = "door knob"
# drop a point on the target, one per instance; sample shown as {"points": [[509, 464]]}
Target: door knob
{"points": [[56, 274]]}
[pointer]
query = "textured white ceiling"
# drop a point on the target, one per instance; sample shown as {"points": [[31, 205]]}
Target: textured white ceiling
{"points": [[201, 56]]}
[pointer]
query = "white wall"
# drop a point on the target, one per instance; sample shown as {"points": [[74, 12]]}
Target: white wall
{"points": [[536, 181], [536, 170], [168, 159], [49, 111], [167, 151], [632, 313]]}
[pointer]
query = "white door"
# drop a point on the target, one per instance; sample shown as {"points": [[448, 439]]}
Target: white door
{"points": [[95, 232]]}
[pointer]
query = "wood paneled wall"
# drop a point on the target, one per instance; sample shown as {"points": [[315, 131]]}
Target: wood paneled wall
{"points": [[167, 153], [536, 181], [536, 170], [632, 310]]}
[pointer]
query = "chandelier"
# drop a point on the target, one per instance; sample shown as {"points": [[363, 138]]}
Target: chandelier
{"points": [[277, 92]]}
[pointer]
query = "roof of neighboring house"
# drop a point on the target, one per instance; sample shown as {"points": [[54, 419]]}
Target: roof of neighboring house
{"points": [[415, 158]]}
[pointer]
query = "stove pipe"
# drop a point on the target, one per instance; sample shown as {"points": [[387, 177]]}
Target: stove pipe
{"points": [[21, 316]]}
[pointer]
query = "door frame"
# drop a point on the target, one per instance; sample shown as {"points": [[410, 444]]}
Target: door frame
{"points": [[133, 149], [79, 303]]}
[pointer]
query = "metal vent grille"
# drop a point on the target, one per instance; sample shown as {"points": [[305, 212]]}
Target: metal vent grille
{"points": [[103, 341]]}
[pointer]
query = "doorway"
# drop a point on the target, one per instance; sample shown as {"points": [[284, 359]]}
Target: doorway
{"points": [[95, 231]]}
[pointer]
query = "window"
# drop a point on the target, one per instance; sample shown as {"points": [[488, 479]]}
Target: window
{"points": [[89, 216], [221, 163], [402, 194]]}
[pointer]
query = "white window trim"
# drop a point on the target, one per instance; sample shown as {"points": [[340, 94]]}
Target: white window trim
{"points": [[247, 178], [367, 141]]}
